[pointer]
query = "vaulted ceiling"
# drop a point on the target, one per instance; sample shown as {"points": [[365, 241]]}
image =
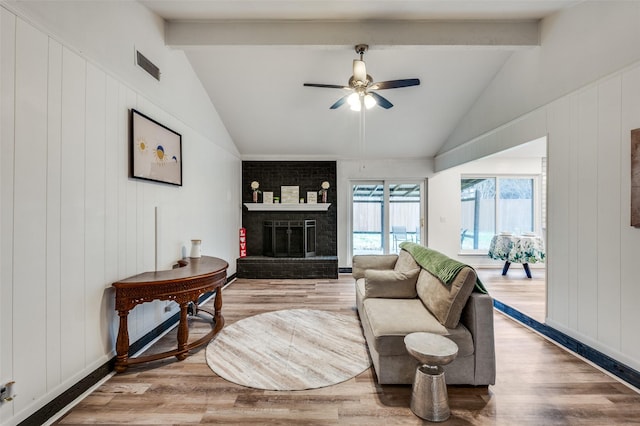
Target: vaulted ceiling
{"points": [[253, 57]]}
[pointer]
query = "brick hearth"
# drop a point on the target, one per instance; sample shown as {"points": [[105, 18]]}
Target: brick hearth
{"points": [[287, 267]]}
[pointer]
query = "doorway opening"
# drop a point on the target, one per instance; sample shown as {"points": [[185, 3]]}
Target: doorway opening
{"points": [[503, 222]]}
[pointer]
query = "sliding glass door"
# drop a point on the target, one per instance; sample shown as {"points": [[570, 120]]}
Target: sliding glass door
{"points": [[368, 218], [384, 214], [404, 214]]}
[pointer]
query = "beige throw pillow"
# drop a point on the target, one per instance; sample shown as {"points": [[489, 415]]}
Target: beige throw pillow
{"points": [[405, 262], [390, 284], [446, 302]]}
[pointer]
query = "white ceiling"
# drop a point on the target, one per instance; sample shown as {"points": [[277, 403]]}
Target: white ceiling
{"points": [[253, 57]]}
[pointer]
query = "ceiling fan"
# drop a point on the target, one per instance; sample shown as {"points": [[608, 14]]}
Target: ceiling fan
{"points": [[362, 86]]}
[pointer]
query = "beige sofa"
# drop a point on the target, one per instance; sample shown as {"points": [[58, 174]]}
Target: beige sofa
{"points": [[395, 296]]}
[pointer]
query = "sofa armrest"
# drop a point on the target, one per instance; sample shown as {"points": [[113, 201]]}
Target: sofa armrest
{"points": [[372, 261], [477, 316]]}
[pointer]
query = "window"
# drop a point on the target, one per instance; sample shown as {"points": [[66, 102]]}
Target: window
{"points": [[504, 203], [385, 214]]}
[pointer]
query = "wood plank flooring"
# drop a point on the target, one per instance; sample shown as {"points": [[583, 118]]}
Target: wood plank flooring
{"points": [[527, 295], [538, 383]]}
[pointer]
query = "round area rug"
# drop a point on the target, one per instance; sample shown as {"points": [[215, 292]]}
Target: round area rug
{"points": [[293, 349]]}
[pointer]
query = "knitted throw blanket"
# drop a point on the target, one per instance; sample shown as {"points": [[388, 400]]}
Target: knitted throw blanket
{"points": [[440, 265]]}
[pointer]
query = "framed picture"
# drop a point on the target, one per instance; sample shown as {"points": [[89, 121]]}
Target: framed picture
{"points": [[290, 194], [156, 151], [267, 197], [635, 178], [312, 197]]}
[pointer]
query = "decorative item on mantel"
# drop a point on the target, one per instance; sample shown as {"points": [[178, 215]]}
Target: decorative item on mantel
{"points": [[195, 249], [324, 190], [289, 194], [254, 187]]}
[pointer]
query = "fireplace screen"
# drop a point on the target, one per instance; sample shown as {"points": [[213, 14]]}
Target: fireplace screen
{"points": [[290, 238]]}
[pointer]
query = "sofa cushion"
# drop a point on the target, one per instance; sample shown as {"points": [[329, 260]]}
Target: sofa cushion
{"points": [[405, 262], [361, 263], [389, 320], [446, 301], [391, 284]]}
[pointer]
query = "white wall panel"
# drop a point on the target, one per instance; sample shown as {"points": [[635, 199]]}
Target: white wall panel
{"points": [[108, 327], [608, 212], [112, 159], [587, 175], [79, 221], [122, 155], [127, 204], [559, 152], [30, 220], [95, 222], [54, 146], [7, 114], [73, 213], [629, 237], [573, 261]]}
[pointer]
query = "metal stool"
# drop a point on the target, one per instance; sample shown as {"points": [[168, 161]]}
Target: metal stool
{"points": [[429, 399]]}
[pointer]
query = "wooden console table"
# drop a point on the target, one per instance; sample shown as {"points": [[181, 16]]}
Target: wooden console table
{"points": [[182, 285]]}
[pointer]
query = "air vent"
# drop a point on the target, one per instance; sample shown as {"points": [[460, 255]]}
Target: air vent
{"points": [[147, 65]]}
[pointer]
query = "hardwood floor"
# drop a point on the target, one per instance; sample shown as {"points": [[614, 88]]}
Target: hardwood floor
{"points": [[527, 295], [537, 382]]}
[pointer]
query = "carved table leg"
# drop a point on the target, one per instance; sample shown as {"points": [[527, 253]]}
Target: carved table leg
{"points": [[122, 343], [217, 304], [183, 331]]}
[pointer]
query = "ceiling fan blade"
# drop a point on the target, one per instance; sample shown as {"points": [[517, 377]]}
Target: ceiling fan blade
{"points": [[327, 86], [383, 102], [394, 84], [339, 102], [359, 70]]}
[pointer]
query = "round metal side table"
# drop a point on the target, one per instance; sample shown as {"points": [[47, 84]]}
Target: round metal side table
{"points": [[429, 399]]}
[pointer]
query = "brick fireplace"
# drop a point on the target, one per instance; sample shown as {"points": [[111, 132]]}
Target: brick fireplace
{"points": [[286, 243]]}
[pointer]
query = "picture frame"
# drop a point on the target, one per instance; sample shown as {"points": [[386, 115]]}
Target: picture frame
{"points": [[312, 197], [290, 194], [156, 150], [635, 178]]}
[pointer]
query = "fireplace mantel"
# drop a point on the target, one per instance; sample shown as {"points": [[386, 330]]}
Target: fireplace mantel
{"points": [[280, 207]]}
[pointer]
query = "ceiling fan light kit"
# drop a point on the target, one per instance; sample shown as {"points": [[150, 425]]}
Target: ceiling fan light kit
{"points": [[361, 86], [359, 71]]}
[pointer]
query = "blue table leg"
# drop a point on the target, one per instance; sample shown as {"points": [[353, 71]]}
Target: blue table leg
{"points": [[506, 267], [526, 269]]}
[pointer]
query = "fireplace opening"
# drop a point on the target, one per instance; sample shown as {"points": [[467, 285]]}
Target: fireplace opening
{"points": [[289, 238]]}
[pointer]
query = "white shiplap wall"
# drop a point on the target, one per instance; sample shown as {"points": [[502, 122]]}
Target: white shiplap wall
{"points": [[593, 286], [72, 221]]}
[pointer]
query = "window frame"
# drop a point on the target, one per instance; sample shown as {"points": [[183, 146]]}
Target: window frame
{"points": [[386, 182], [537, 203]]}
